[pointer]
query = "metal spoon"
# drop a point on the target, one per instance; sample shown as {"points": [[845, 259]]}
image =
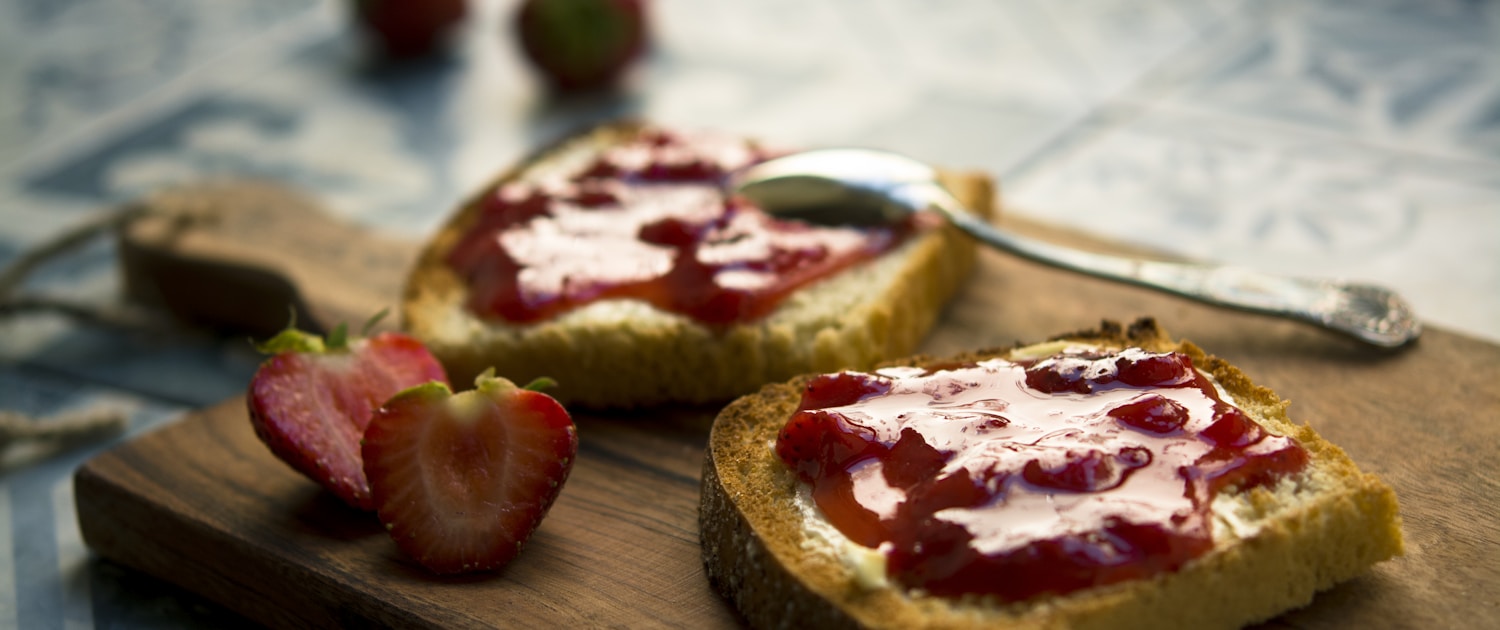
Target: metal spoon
{"points": [[870, 187]]}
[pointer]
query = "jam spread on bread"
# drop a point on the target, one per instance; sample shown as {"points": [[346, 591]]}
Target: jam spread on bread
{"points": [[647, 220], [1022, 478]]}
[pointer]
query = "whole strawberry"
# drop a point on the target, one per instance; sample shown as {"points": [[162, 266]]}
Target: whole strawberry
{"points": [[462, 480], [582, 44], [409, 28], [311, 401]]}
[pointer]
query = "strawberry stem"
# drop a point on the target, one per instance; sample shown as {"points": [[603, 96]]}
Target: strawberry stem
{"points": [[292, 340], [436, 389]]}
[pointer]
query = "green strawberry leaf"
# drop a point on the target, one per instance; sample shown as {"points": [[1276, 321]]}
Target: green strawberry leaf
{"points": [[541, 383], [338, 338], [374, 319]]}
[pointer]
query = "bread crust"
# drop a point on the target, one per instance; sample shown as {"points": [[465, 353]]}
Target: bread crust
{"points": [[623, 353], [1325, 525]]}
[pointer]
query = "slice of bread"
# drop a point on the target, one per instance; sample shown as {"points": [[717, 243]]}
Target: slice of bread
{"points": [[625, 353], [768, 552]]}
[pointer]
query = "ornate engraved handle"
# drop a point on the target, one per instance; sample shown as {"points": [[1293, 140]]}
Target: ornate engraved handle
{"points": [[1369, 313]]}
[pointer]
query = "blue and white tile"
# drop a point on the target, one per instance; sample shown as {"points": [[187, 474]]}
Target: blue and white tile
{"points": [[1415, 77], [63, 65], [1119, 41], [1283, 200], [47, 576]]}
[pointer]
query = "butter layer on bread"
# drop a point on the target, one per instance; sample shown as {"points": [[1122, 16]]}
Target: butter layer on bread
{"points": [[1274, 546], [626, 353]]}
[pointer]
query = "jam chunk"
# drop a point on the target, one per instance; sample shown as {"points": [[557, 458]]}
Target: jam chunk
{"points": [[647, 221], [1018, 479]]}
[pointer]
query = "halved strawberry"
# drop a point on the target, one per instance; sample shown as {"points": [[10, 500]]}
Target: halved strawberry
{"points": [[310, 402], [462, 480]]}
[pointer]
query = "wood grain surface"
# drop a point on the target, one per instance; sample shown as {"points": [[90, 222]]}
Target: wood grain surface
{"points": [[202, 503]]}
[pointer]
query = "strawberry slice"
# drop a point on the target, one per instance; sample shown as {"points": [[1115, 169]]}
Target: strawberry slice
{"points": [[310, 402], [462, 480]]}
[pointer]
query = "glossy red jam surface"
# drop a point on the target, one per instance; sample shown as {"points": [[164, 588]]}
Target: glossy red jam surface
{"points": [[1023, 478], [648, 221]]}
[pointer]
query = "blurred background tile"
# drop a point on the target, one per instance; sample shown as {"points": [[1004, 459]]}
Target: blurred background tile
{"points": [[50, 580]]}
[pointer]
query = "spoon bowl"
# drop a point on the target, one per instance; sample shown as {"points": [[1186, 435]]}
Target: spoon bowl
{"points": [[837, 186], [862, 187]]}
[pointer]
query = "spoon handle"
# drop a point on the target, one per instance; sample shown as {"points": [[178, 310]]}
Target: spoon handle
{"points": [[1370, 313]]}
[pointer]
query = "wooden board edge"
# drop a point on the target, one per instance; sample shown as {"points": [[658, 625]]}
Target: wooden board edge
{"points": [[117, 522]]}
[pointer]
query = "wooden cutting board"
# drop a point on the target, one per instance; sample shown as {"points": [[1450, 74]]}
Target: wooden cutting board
{"points": [[203, 504]]}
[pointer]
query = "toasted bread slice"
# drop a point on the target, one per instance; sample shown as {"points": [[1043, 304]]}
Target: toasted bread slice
{"points": [[1274, 547], [626, 353]]}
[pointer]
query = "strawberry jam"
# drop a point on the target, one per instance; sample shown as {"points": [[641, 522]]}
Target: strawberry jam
{"points": [[1017, 479], [647, 220]]}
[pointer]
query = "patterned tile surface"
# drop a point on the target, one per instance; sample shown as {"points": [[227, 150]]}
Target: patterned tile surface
{"points": [[1316, 138], [47, 577]]}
